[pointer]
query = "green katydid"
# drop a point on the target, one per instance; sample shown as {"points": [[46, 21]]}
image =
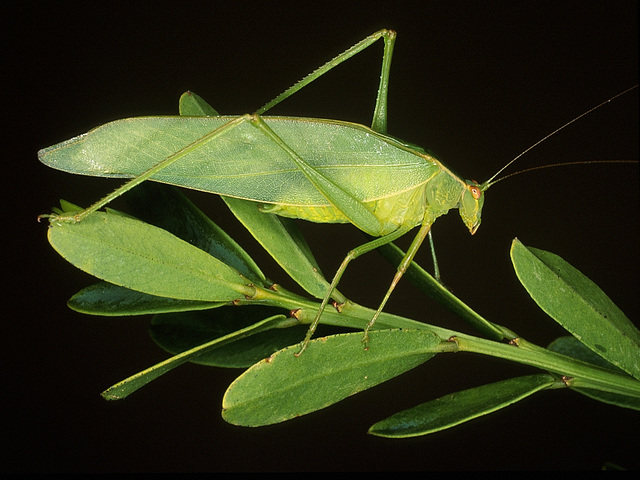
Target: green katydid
{"points": [[318, 170]]}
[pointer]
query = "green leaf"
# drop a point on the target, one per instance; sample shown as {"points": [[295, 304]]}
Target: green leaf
{"points": [[179, 332], [166, 207], [137, 381], [281, 238], [106, 299], [572, 347], [127, 252], [456, 408], [332, 368], [624, 401], [577, 304], [193, 105], [66, 207]]}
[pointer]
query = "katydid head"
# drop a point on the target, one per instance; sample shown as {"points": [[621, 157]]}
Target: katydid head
{"points": [[470, 206]]}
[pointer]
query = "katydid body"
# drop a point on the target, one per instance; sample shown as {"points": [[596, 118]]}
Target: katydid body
{"points": [[318, 170], [399, 185]]}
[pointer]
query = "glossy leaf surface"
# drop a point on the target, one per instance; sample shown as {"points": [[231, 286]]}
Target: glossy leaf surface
{"points": [[106, 299], [456, 408], [572, 347], [579, 305], [130, 253], [179, 332], [285, 386]]}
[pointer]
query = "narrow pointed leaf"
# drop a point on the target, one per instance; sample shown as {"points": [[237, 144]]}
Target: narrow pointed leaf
{"points": [[179, 332], [332, 368], [127, 252], [577, 304], [106, 299], [624, 401], [281, 238], [456, 408], [572, 347], [139, 380], [195, 106], [66, 207], [166, 207]]}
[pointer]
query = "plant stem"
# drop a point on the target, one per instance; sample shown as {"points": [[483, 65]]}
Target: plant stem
{"points": [[518, 350], [521, 351]]}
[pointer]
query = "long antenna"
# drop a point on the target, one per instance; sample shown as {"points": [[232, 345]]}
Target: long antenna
{"points": [[490, 182], [560, 164]]}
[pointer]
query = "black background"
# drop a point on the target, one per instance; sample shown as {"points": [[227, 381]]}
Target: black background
{"points": [[476, 82]]}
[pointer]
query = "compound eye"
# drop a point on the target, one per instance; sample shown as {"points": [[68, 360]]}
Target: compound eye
{"points": [[475, 191]]}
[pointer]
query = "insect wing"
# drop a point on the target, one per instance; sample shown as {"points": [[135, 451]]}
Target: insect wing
{"points": [[242, 162]]}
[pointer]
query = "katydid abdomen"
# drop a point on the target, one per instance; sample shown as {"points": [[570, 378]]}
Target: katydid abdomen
{"points": [[402, 209]]}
